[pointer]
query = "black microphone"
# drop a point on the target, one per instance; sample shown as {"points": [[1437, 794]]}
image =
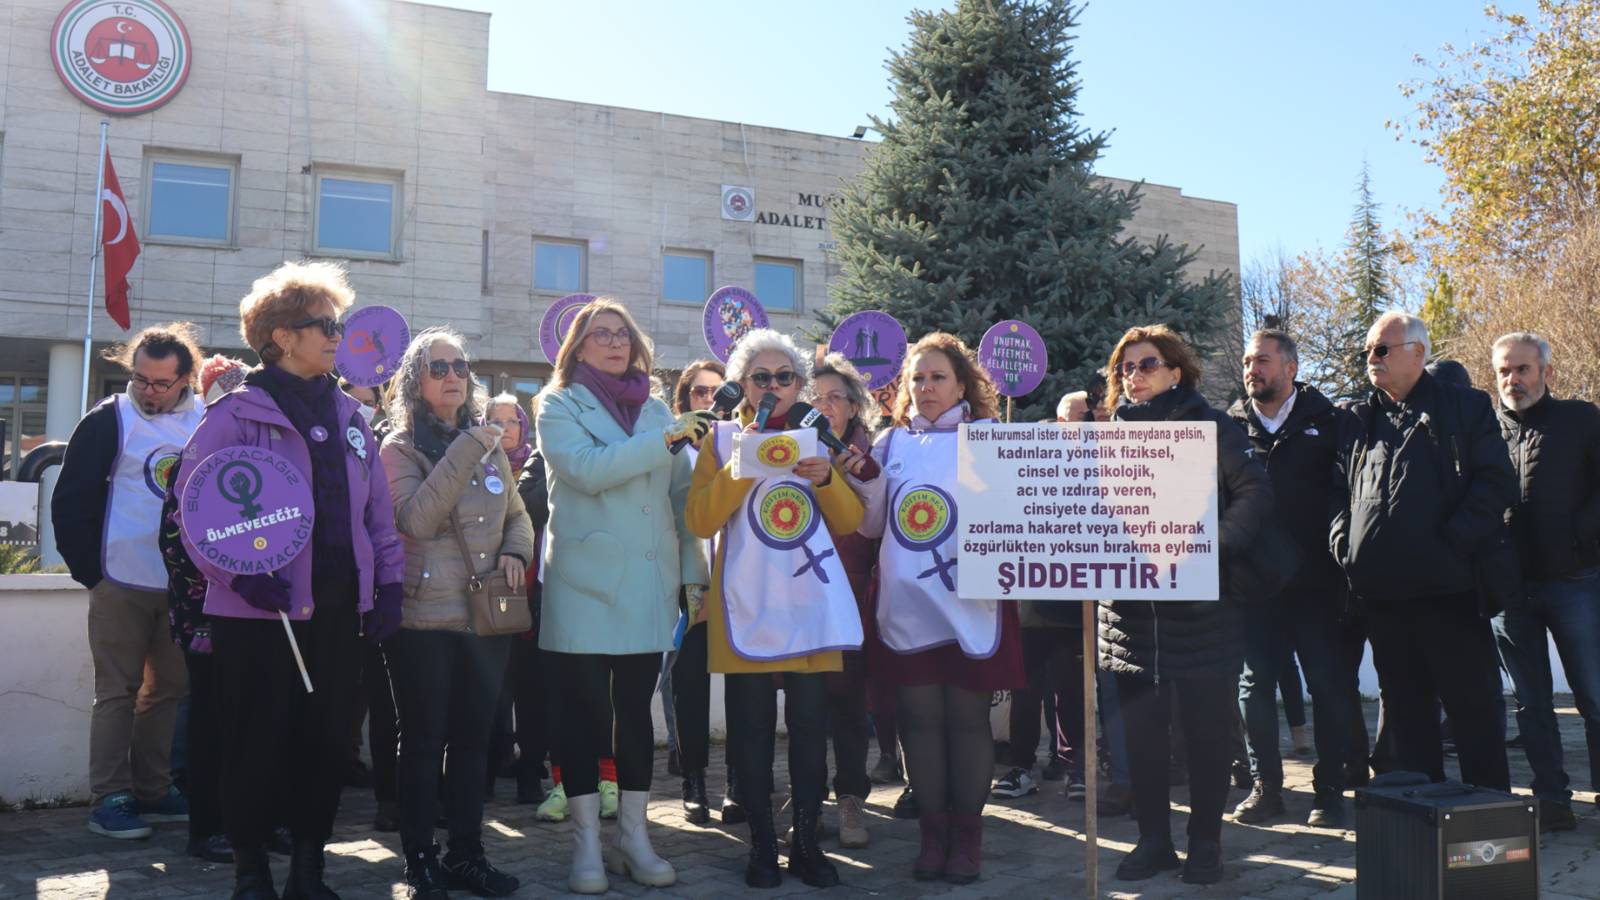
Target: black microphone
{"points": [[769, 402], [804, 415], [727, 397]]}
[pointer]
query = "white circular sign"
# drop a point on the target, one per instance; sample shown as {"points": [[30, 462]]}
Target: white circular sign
{"points": [[125, 57]]}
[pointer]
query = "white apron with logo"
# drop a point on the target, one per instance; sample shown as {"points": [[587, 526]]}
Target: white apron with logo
{"points": [[917, 604], [148, 450], [784, 592]]}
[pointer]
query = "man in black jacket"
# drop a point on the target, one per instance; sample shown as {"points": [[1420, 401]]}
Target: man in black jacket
{"points": [[1295, 431], [1555, 525], [1427, 482]]}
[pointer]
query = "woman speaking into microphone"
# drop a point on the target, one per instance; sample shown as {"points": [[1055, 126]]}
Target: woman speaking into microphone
{"points": [[950, 654], [779, 603]]}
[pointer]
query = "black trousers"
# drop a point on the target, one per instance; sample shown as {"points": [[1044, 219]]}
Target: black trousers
{"points": [[1441, 651], [691, 701], [205, 748], [752, 737], [597, 689], [1053, 660], [848, 724], [445, 686], [284, 751], [1206, 713], [528, 695], [383, 725]]}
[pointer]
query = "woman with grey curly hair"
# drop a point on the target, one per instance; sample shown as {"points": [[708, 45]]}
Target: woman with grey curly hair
{"points": [[451, 483]]}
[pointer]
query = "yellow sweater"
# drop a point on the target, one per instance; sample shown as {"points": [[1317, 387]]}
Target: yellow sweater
{"points": [[714, 497]]}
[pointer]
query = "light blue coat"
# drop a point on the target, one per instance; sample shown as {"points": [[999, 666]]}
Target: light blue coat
{"points": [[615, 548]]}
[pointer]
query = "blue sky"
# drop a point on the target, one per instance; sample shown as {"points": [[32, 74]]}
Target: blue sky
{"points": [[1270, 105]]}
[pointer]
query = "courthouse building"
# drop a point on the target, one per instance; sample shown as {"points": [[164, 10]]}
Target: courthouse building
{"points": [[248, 132]]}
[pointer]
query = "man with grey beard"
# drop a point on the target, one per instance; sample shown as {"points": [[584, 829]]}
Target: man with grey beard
{"points": [[1555, 525]]}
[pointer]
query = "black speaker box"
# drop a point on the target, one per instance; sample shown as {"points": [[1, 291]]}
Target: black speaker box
{"points": [[1445, 841]]}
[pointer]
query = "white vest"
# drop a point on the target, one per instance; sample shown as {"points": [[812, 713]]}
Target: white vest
{"points": [[917, 604], [784, 592], [147, 451]]}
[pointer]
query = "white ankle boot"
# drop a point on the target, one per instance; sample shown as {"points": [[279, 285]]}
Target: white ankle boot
{"points": [[632, 854], [588, 873]]}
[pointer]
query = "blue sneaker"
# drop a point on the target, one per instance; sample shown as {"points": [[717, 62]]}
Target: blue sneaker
{"points": [[116, 817], [174, 807]]}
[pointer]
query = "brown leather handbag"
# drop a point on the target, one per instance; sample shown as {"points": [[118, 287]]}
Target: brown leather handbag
{"points": [[493, 606]]}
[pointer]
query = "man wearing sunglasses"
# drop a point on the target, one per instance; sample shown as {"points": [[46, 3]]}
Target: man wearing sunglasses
{"points": [[107, 513], [1426, 481]]}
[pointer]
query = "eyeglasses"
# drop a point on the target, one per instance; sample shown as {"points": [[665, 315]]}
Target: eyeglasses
{"points": [[702, 391], [1381, 351], [833, 398], [154, 387], [330, 326], [1147, 365], [439, 368], [783, 379], [608, 338]]}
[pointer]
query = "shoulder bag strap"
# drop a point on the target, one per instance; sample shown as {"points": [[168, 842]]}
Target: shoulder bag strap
{"points": [[474, 583]]}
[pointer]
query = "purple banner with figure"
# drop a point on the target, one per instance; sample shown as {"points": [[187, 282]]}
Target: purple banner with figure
{"points": [[375, 338], [874, 343], [247, 510], [1015, 356], [731, 313]]}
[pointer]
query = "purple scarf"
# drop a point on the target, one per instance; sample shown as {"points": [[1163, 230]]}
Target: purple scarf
{"points": [[622, 397]]}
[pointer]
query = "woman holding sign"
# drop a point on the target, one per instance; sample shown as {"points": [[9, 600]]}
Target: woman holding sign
{"points": [[615, 555], [463, 522], [780, 601], [1180, 651], [948, 655], [344, 584]]}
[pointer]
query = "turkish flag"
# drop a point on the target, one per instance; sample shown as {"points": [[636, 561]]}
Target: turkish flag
{"points": [[120, 243]]}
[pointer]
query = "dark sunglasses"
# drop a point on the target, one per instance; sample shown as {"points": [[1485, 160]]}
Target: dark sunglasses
{"points": [[1147, 365], [330, 326], [702, 390], [783, 379], [440, 368], [1381, 351]]}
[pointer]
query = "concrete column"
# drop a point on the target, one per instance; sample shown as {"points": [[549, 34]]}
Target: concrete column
{"points": [[66, 391]]}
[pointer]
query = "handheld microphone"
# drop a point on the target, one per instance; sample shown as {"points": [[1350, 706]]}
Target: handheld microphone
{"points": [[723, 403], [804, 415], [769, 402]]}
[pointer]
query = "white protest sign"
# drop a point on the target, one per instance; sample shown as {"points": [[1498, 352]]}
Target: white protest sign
{"points": [[1088, 511], [769, 454]]}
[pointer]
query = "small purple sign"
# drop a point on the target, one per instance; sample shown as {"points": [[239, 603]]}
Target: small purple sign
{"points": [[731, 313], [874, 343], [375, 338], [557, 322], [247, 510], [1015, 356]]}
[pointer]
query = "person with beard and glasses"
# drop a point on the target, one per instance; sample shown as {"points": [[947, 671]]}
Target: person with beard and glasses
{"points": [[1555, 526], [1424, 482], [1295, 431]]}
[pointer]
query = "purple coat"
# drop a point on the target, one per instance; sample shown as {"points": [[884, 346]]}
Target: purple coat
{"points": [[249, 417]]}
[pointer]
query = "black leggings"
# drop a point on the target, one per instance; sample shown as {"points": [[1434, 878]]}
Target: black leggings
{"points": [[752, 728], [597, 689], [949, 746], [1206, 712]]}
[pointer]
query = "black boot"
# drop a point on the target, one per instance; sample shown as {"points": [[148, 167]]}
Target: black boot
{"points": [[806, 859], [733, 812], [424, 880], [695, 807], [305, 873], [252, 875], [762, 870]]}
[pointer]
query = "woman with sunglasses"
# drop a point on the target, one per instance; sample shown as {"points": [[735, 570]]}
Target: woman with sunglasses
{"points": [[1180, 652], [948, 655], [452, 485], [779, 604], [282, 746], [615, 557]]}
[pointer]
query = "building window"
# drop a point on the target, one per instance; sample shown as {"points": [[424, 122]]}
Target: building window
{"points": [[357, 214], [191, 198], [778, 284], [23, 400], [560, 267], [685, 276]]}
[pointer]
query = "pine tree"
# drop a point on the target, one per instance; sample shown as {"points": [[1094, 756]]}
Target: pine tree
{"points": [[1368, 260], [1440, 311], [980, 203]]}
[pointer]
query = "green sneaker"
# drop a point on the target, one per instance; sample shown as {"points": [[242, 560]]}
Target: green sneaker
{"points": [[608, 799], [554, 807]]}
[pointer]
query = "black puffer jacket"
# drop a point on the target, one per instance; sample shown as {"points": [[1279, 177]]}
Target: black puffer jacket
{"points": [[1555, 449], [1169, 638], [1301, 458]]}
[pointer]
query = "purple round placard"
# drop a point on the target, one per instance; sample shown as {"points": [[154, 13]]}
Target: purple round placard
{"points": [[874, 343], [375, 338], [1015, 356], [247, 510], [731, 312], [557, 320]]}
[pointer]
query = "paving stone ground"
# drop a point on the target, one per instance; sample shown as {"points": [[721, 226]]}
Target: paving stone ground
{"points": [[1034, 847]]}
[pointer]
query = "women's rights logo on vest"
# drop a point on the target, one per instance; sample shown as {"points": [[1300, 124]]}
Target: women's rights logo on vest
{"points": [[924, 518], [158, 468], [779, 451], [785, 518]]}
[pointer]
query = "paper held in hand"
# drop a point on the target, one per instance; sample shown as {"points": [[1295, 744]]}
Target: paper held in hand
{"points": [[770, 454]]}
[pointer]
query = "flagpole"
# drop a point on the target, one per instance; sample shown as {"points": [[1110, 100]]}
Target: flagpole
{"points": [[94, 260]]}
